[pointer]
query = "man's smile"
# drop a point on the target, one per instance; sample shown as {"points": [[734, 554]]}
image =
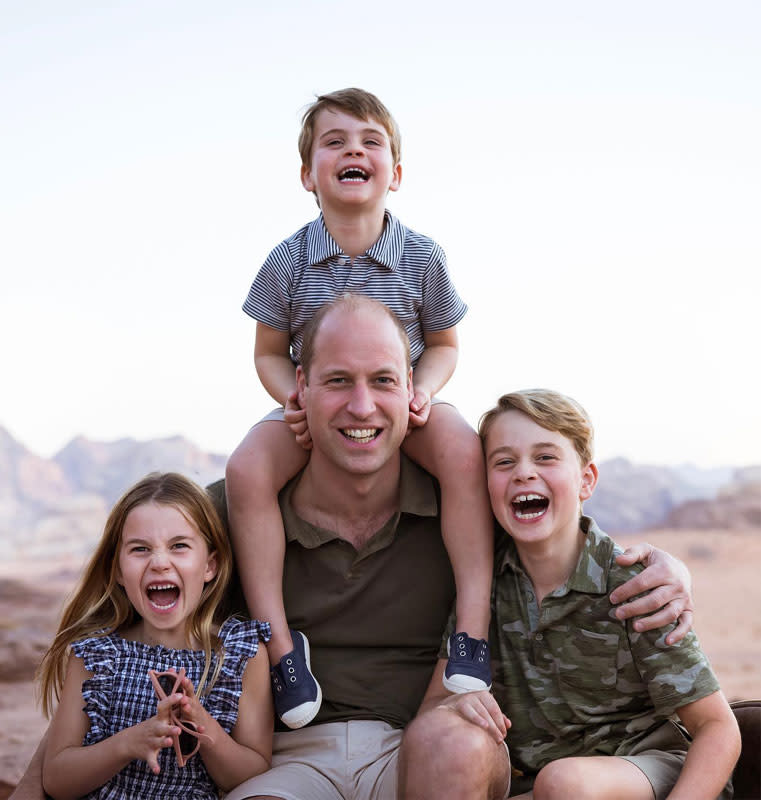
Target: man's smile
{"points": [[361, 435]]}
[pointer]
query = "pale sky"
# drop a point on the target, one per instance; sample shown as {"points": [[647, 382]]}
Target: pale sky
{"points": [[592, 170]]}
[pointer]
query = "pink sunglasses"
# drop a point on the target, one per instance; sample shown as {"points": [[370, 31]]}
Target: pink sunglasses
{"points": [[187, 742]]}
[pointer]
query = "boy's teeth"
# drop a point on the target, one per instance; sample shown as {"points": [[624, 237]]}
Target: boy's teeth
{"points": [[531, 515], [522, 498]]}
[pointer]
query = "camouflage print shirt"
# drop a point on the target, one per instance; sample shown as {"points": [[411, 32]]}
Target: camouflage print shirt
{"points": [[572, 678]]}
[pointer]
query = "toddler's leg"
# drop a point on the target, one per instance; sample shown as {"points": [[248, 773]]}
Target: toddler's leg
{"points": [[266, 459], [450, 450], [261, 465]]}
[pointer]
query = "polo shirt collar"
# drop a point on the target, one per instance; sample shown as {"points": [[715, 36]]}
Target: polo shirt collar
{"points": [[417, 496], [386, 252], [592, 568]]}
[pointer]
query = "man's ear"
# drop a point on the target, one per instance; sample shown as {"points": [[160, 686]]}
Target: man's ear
{"points": [[589, 477], [410, 386], [396, 180], [301, 384]]}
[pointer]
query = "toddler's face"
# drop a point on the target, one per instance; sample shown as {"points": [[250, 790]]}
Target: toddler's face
{"points": [[352, 165]]}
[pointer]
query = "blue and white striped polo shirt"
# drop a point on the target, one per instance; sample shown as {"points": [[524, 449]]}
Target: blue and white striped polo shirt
{"points": [[403, 269]]}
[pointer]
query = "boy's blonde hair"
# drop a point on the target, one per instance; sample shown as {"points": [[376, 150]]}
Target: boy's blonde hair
{"points": [[100, 606], [551, 410], [357, 103]]}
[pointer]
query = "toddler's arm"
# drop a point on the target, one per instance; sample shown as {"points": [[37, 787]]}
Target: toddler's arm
{"points": [[71, 770], [433, 370], [273, 362], [233, 758], [713, 752]]}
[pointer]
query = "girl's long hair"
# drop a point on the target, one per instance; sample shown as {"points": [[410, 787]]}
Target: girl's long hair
{"points": [[99, 605]]}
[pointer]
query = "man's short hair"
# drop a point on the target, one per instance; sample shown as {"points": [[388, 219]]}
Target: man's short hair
{"points": [[357, 103], [348, 302], [551, 410]]}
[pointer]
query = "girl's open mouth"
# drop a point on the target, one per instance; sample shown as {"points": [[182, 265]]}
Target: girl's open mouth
{"points": [[163, 596]]}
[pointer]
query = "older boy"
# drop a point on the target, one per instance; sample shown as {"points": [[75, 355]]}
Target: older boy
{"points": [[350, 150], [592, 702]]}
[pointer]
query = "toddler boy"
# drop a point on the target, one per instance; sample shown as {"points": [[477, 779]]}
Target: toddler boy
{"points": [[350, 151]]}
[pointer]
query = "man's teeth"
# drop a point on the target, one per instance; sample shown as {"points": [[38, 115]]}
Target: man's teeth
{"points": [[361, 434]]}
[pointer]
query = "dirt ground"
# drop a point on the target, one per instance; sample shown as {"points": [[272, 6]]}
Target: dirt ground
{"points": [[725, 565]]}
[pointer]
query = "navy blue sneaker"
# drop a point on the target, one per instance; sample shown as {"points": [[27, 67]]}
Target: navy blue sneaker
{"points": [[296, 693], [468, 668]]}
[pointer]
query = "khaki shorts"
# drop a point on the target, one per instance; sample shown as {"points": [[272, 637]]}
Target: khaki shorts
{"points": [[661, 759], [354, 760]]}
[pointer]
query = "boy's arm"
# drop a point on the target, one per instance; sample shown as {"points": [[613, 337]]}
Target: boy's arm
{"points": [[433, 370], [713, 752], [668, 584], [273, 362]]}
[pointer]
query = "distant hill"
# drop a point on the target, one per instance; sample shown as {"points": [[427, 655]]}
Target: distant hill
{"points": [[57, 506]]}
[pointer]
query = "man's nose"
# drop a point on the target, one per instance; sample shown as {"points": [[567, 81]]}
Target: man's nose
{"points": [[361, 403]]}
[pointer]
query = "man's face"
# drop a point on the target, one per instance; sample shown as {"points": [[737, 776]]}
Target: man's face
{"points": [[359, 390]]}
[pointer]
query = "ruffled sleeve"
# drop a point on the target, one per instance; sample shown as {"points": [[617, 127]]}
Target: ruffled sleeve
{"points": [[240, 640], [98, 654]]}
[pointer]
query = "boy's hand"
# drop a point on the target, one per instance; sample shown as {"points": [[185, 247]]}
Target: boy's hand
{"points": [[420, 408], [481, 709], [296, 418], [668, 584]]}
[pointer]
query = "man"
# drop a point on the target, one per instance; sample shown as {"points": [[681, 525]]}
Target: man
{"points": [[368, 580]]}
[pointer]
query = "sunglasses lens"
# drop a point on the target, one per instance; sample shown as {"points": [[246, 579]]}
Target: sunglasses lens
{"points": [[187, 743], [166, 682]]}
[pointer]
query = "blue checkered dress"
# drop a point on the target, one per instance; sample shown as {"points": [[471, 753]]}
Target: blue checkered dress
{"points": [[120, 694]]}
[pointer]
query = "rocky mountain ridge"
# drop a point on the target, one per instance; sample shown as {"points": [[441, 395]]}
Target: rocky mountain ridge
{"points": [[57, 507]]}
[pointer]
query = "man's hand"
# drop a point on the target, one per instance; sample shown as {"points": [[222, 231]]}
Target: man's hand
{"points": [[296, 418], [481, 709], [669, 585]]}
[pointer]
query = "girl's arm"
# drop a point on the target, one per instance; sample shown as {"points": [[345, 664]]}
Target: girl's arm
{"points": [[71, 770], [247, 751], [433, 370], [714, 750], [273, 362]]}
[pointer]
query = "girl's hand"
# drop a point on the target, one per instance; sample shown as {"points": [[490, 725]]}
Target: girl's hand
{"points": [[147, 738], [296, 418], [190, 709]]}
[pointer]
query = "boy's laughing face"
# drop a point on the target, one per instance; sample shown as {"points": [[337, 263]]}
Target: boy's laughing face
{"points": [[536, 481], [352, 165]]}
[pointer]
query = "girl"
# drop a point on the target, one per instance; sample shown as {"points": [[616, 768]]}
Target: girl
{"points": [[150, 604]]}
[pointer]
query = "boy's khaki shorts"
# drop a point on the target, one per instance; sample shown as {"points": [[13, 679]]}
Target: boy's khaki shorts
{"points": [[335, 761]]}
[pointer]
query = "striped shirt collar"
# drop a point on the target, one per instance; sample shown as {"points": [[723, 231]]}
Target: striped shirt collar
{"points": [[387, 251]]}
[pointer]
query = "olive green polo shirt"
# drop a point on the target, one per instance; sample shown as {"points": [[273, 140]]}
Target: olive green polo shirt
{"points": [[374, 617], [572, 678]]}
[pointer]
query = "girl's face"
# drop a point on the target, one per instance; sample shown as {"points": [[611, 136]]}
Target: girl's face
{"points": [[164, 563]]}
